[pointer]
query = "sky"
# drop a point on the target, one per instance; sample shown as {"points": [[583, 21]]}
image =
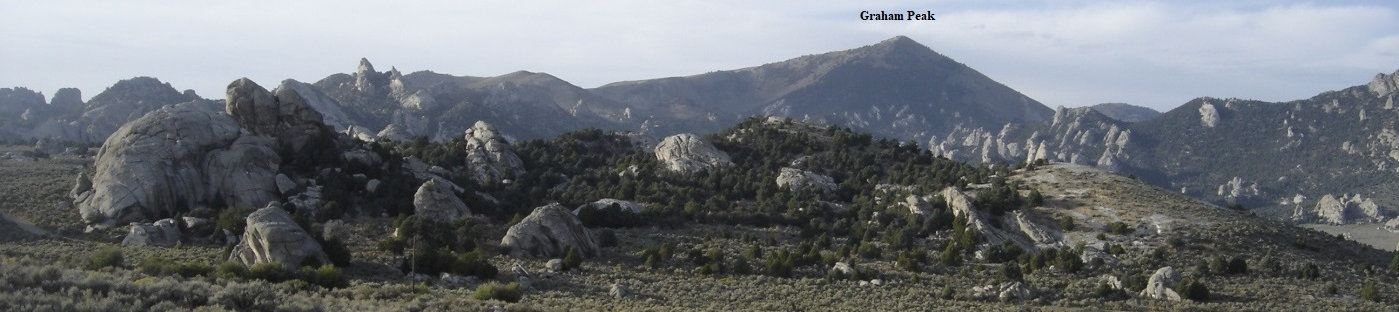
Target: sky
{"points": [[1158, 54]]}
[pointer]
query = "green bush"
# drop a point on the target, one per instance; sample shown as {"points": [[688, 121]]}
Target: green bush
{"points": [[1370, 292], [230, 271], [160, 266], [1193, 290], [234, 219], [1068, 261], [330, 276], [496, 291], [474, 263], [572, 259], [1119, 228], [107, 257], [337, 252], [270, 271], [951, 256]]}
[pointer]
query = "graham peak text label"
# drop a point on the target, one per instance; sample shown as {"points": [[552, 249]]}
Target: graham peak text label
{"points": [[906, 16]]}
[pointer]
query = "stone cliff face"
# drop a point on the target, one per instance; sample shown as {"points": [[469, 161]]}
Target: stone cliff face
{"points": [[196, 154]]}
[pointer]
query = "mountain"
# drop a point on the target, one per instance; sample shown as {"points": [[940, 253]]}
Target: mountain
{"points": [[896, 88], [1126, 112], [67, 118], [440, 107], [1282, 159]]}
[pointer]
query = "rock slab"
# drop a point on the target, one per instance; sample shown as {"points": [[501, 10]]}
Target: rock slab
{"points": [[548, 232]]}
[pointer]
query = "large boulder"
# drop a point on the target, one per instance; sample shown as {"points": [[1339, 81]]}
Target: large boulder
{"points": [[162, 233], [687, 152], [548, 232], [193, 154], [271, 236], [285, 115], [489, 158], [174, 159], [796, 179], [1162, 284], [438, 202]]}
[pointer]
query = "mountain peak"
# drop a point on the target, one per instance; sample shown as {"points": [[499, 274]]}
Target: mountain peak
{"points": [[898, 40], [1384, 84], [897, 44], [365, 66]]}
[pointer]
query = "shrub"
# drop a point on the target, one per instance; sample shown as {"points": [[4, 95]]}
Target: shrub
{"points": [[330, 276], [427, 260], [1066, 223], [1370, 292], [270, 271], [1237, 265], [1119, 228], [395, 245], [155, 265], [496, 291], [234, 219], [230, 271], [1193, 290], [1103, 290], [246, 297], [869, 251], [474, 263], [741, 266], [337, 252], [107, 257], [951, 256], [1011, 272], [1134, 282], [607, 238], [571, 259], [1309, 271], [1068, 261]]}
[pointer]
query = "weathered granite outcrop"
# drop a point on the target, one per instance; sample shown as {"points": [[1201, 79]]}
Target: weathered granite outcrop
{"points": [[687, 152], [548, 232], [489, 158], [271, 236]]}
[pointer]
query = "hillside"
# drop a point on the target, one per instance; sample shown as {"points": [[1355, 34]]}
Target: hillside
{"points": [[1126, 112], [803, 216], [1279, 159], [897, 88]]}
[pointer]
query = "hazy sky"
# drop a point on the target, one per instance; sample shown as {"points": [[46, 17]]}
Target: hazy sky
{"points": [[1070, 53]]}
